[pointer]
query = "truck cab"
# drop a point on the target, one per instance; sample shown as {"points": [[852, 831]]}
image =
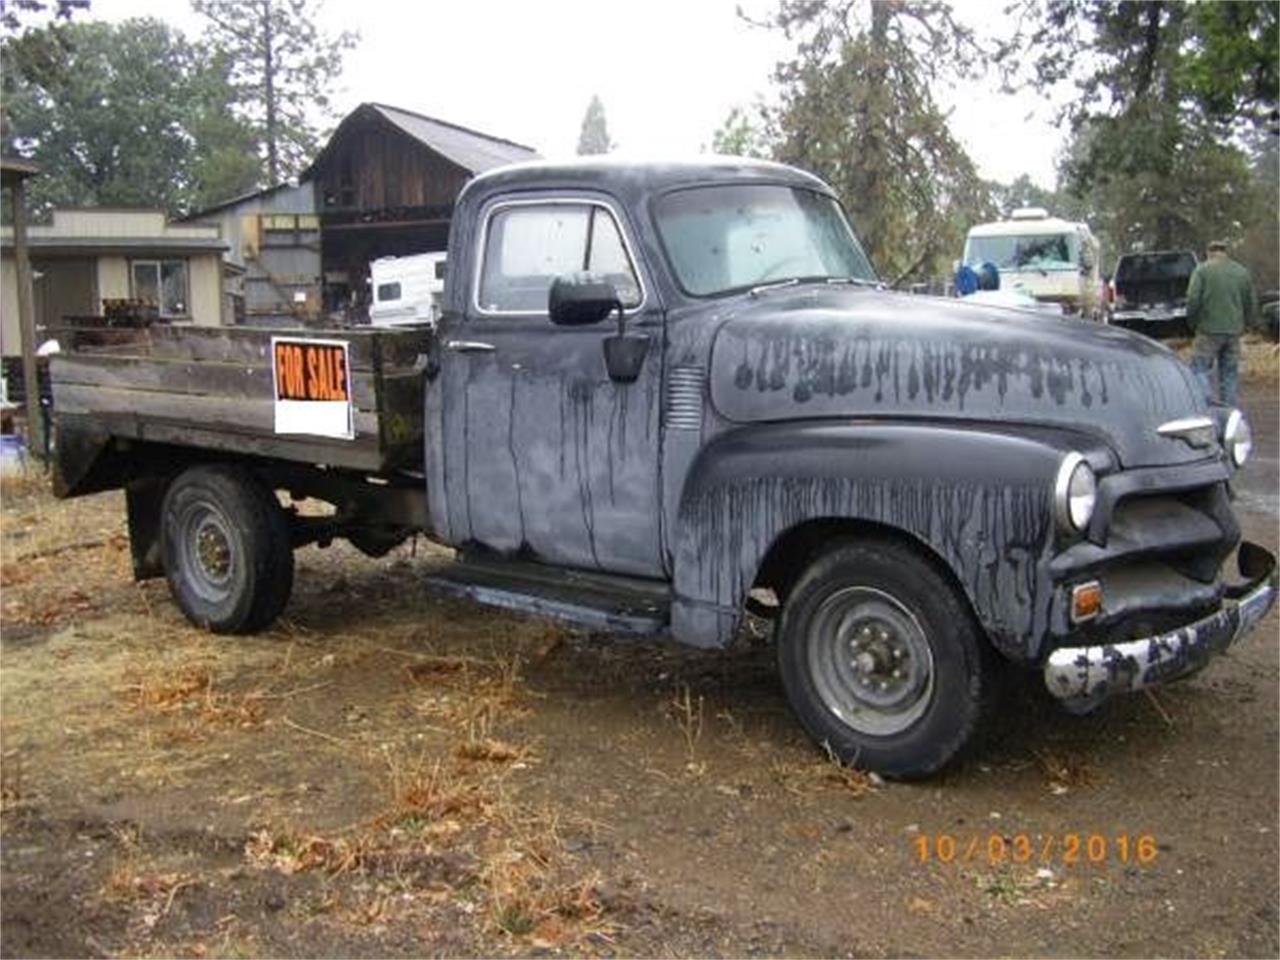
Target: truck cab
{"points": [[1056, 261]]}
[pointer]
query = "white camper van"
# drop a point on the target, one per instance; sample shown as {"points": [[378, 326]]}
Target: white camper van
{"points": [[406, 290], [1055, 261]]}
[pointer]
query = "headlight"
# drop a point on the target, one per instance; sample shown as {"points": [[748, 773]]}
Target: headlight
{"points": [[1237, 438], [1075, 493]]}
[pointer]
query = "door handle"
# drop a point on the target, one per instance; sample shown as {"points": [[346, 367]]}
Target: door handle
{"points": [[469, 346]]}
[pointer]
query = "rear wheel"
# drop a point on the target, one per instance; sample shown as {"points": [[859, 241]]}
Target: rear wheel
{"points": [[227, 551], [881, 660]]}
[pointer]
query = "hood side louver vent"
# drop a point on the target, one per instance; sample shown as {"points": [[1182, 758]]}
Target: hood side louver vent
{"points": [[685, 390]]}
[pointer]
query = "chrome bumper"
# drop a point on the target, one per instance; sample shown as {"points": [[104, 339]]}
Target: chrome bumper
{"points": [[1090, 673]]}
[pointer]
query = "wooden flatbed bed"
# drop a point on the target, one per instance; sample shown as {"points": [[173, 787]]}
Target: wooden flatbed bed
{"points": [[216, 388]]}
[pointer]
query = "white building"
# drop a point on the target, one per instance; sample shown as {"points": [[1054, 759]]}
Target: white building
{"points": [[87, 256]]}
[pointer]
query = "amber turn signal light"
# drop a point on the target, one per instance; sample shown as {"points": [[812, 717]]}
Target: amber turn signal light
{"points": [[1086, 601]]}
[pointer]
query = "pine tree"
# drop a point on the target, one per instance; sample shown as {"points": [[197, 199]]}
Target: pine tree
{"points": [[284, 69], [595, 131], [855, 108]]}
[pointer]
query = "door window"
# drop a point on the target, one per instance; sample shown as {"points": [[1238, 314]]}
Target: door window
{"points": [[528, 245]]}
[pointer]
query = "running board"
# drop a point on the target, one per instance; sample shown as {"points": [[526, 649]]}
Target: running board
{"points": [[625, 605]]}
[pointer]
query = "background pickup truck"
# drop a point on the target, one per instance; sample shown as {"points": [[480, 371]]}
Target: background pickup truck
{"points": [[660, 395], [1151, 292]]}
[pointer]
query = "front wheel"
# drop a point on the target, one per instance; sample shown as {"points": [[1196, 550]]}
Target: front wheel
{"points": [[881, 660], [227, 550]]}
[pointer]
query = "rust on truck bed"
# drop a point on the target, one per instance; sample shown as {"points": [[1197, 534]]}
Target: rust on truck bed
{"points": [[212, 387]]}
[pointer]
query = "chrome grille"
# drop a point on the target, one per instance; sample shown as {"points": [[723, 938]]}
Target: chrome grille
{"points": [[684, 397]]}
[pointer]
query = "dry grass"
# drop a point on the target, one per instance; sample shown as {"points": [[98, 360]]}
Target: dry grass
{"points": [[126, 882], [170, 691], [1259, 357], [511, 855], [532, 892], [21, 482], [807, 777], [468, 693], [13, 790], [291, 852], [489, 750], [1064, 770], [42, 539], [1259, 360], [190, 693], [688, 716], [430, 796]]}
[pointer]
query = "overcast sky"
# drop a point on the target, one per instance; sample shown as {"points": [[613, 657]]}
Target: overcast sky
{"points": [[667, 71]]}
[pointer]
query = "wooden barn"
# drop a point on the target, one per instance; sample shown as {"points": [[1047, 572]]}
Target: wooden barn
{"points": [[385, 185]]}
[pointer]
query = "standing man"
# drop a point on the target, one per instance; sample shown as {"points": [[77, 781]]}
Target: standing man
{"points": [[1220, 304]]}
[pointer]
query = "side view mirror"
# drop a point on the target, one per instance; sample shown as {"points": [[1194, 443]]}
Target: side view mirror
{"points": [[579, 300]]}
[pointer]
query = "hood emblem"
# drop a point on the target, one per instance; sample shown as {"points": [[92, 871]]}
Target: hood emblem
{"points": [[1194, 431]]}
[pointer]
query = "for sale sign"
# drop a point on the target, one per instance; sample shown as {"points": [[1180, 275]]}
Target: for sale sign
{"points": [[313, 387]]}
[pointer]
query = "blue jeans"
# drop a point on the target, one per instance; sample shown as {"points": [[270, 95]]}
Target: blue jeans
{"points": [[1224, 350]]}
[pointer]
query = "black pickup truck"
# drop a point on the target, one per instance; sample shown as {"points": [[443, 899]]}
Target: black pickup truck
{"points": [[1151, 292], [661, 395]]}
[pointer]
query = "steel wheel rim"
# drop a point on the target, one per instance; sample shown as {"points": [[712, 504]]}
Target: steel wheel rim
{"points": [[870, 661], [209, 564]]}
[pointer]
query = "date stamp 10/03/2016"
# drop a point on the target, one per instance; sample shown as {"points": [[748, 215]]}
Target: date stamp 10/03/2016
{"points": [[1067, 849]]}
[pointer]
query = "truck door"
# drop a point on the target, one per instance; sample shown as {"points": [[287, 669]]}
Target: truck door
{"points": [[543, 455]]}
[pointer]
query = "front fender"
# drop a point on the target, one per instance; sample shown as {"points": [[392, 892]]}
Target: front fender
{"points": [[979, 499]]}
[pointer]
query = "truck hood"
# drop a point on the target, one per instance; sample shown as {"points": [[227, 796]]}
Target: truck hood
{"points": [[847, 352]]}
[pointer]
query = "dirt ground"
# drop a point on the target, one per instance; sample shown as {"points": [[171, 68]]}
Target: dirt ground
{"points": [[389, 773]]}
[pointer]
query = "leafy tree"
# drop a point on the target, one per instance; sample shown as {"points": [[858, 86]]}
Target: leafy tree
{"points": [[123, 114], [1259, 247], [1232, 65], [283, 68], [1160, 86], [1205, 193], [855, 108], [225, 161], [739, 137], [15, 14], [1024, 192], [594, 137]]}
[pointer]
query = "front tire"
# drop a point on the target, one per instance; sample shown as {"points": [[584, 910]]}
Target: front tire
{"points": [[881, 659], [227, 550]]}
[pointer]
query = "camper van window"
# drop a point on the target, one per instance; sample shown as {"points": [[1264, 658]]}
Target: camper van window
{"points": [[388, 291], [440, 269], [1046, 251]]}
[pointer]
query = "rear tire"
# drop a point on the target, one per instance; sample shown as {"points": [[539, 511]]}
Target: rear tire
{"points": [[227, 550], [881, 659]]}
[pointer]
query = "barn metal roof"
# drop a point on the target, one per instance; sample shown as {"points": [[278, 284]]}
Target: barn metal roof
{"points": [[471, 150]]}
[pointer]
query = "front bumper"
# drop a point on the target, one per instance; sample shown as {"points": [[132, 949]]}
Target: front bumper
{"points": [[1153, 315], [1088, 674]]}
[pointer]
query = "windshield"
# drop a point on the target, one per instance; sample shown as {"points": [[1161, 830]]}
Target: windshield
{"points": [[1050, 251], [734, 237]]}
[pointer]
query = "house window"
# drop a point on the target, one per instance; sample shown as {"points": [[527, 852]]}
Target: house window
{"points": [[163, 284], [291, 230]]}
